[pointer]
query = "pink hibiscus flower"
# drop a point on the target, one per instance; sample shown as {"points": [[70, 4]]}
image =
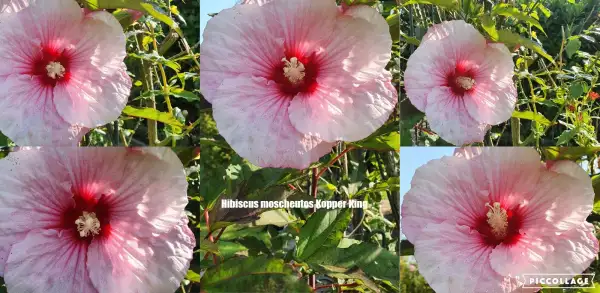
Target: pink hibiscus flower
{"points": [[289, 78], [462, 82], [93, 220], [481, 219], [62, 72]]}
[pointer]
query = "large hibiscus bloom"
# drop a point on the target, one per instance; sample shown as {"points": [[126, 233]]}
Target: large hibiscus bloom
{"points": [[62, 72], [462, 82], [93, 220], [483, 218], [289, 78]]}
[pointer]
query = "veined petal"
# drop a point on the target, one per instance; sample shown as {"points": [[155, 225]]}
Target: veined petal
{"points": [[253, 117]]}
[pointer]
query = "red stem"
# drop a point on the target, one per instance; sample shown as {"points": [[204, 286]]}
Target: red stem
{"points": [[312, 279], [335, 160], [210, 237], [207, 219], [418, 127], [219, 235], [216, 239], [313, 186], [316, 174]]}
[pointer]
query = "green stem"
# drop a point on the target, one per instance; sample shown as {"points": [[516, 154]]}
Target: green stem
{"points": [[147, 85], [190, 128], [123, 138], [515, 131]]}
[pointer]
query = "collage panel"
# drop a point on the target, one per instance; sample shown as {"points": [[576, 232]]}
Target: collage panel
{"points": [[299, 146], [493, 219], [103, 73], [99, 219], [500, 73], [330, 227], [514, 85]]}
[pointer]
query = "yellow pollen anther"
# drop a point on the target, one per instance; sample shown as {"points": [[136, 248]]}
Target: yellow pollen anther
{"points": [[293, 70], [55, 70], [88, 223], [497, 219], [466, 83]]}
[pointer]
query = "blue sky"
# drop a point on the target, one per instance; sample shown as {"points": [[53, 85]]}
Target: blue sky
{"points": [[412, 158], [212, 6]]}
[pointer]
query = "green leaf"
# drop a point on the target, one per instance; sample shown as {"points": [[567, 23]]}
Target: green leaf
{"points": [[324, 228], [269, 177], [124, 17], [188, 96], [140, 5], [449, 4], [576, 90], [154, 57], [385, 138], [596, 289], [3, 140], [394, 24], [566, 136], [208, 246], [572, 46], [547, 13], [410, 40], [587, 38], [278, 218], [596, 186], [508, 10], [372, 259], [568, 153], [187, 154], [392, 184], [193, 276], [489, 25], [229, 249], [153, 114], [253, 274], [173, 92], [529, 115], [361, 2], [513, 39]]}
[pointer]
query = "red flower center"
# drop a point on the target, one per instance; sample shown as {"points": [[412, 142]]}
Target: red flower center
{"points": [[88, 218], [499, 225], [51, 66], [461, 80], [296, 74]]}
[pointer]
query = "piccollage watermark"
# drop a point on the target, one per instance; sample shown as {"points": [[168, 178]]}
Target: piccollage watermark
{"points": [[558, 281]]}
